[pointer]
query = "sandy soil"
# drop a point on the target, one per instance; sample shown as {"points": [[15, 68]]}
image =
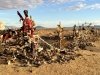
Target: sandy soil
{"points": [[87, 64]]}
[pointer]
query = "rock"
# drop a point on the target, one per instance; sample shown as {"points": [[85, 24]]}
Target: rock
{"points": [[8, 62]]}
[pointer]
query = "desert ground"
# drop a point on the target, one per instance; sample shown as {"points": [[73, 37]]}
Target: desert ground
{"points": [[86, 64]]}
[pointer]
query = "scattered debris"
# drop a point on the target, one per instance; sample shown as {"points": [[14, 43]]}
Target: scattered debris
{"points": [[19, 47]]}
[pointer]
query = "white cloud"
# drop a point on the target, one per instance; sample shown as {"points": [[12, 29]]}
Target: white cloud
{"points": [[82, 5], [94, 6], [59, 1], [78, 6], [65, 1], [11, 4]]}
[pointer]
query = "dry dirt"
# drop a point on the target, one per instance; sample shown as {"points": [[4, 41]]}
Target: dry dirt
{"points": [[87, 64]]}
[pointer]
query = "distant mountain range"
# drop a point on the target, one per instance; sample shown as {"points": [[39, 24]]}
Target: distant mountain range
{"points": [[97, 26], [14, 27], [41, 27]]}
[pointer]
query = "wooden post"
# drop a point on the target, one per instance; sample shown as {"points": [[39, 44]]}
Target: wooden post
{"points": [[60, 34]]}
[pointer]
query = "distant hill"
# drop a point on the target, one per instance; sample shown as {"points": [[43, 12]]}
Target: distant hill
{"points": [[68, 28], [11, 27], [40, 27], [97, 26], [14, 27]]}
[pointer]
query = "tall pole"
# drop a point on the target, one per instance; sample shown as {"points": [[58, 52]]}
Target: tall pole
{"points": [[60, 33]]}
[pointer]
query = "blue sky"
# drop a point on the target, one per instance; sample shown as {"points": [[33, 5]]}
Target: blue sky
{"points": [[48, 13]]}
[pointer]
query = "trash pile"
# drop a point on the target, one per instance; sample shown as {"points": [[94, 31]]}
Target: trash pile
{"points": [[24, 52], [84, 38]]}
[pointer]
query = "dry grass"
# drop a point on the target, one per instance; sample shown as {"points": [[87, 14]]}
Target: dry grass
{"points": [[43, 32]]}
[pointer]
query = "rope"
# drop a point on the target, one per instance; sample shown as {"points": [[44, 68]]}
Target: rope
{"points": [[46, 42]]}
